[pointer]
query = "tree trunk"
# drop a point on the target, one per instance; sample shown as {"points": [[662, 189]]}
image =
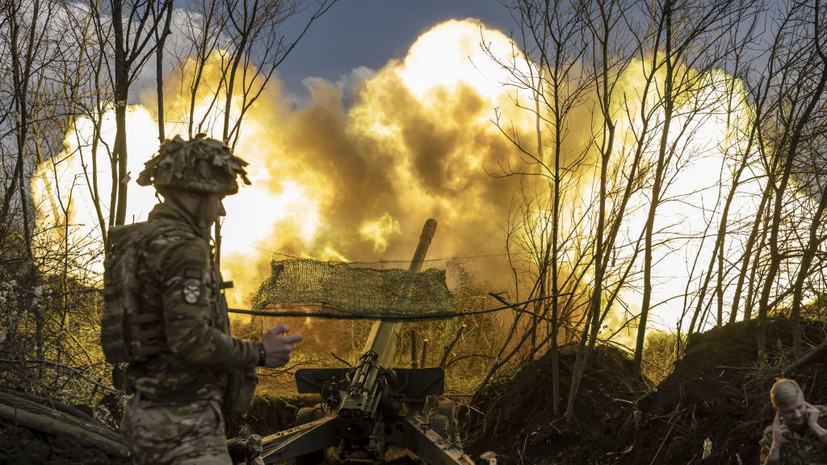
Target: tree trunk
{"points": [[121, 90]]}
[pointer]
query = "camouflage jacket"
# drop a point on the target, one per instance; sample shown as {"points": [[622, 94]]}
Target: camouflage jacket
{"points": [[179, 278], [800, 449]]}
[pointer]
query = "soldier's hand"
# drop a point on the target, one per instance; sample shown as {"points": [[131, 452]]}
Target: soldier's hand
{"points": [[279, 345], [779, 431], [811, 413], [812, 420]]}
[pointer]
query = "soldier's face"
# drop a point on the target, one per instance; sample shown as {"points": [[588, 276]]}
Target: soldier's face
{"points": [[213, 208], [795, 413]]}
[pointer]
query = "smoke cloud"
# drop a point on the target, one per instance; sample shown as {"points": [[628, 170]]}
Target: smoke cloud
{"points": [[353, 172], [359, 181]]}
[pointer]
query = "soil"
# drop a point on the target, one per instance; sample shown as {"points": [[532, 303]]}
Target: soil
{"points": [[719, 389], [519, 423], [21, 445]]}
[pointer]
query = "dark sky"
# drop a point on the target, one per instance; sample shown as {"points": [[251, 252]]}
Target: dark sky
{"points": [[370, 32]]}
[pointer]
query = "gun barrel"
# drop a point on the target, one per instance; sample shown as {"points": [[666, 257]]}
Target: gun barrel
{"points": [[428, 232], [384, 334]]}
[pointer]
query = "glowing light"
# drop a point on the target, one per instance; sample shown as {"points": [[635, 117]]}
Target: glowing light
{"points": [[451, 54], [64, 182], [380, 231]]}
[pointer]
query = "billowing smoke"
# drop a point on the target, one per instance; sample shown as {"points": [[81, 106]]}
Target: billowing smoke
{"points": [[353, 172], [417, 142], [345, 177]]}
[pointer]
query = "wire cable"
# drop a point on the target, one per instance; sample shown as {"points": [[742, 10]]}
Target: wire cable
{"points": [[392, 261], [337, 314]]}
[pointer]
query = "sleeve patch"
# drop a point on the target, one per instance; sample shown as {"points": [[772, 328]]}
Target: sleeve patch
{"points": [[193, 273], [191, 290]]}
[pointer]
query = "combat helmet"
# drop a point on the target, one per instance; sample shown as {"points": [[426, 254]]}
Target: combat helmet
{"points": [[201, 165]]}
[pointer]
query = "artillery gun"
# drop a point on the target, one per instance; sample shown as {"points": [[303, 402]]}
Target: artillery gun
{"points": [[372, 406]]}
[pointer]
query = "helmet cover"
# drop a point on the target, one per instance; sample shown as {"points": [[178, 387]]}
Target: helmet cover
{"points": [[201, 165]]}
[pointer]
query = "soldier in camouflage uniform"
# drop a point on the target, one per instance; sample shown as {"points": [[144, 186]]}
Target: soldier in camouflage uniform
{"points": [[797, 436], [175, 415]]}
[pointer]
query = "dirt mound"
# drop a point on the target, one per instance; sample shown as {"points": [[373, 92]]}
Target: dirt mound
{"points": [[717, 390], [721, 391], [19, 444], [519, 423], [36, 429]]}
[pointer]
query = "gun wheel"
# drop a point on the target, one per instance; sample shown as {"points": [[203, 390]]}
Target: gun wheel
{"points": [[306, 415], [446, 407], [443, 426]]}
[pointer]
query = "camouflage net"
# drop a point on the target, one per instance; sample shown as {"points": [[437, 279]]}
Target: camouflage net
{"points": [[349, 288]]}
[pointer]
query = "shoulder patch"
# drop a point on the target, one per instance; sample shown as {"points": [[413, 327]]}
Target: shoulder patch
{"points": [[191, 289]]}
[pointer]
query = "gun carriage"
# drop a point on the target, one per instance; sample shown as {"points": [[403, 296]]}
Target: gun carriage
{"points": [[372, 406]]}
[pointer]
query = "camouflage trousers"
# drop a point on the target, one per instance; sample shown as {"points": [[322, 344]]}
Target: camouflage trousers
{"points": [[185, 433]]}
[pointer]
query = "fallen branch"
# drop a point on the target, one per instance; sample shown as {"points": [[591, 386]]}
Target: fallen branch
{"points": [[671, 427], [24, 412], [806, 358]]}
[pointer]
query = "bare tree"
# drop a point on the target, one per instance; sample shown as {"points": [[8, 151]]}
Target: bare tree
{"points": [[161, 35], [25, 37], [550, 37], [641, 138], [132, 25], [799, 85], [685, 37], [246, 41], [812, 177], [44, 299], [609, 57]]}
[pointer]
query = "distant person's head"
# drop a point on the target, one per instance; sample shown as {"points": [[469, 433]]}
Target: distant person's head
{"points": [[788, 400], [253, 446]]}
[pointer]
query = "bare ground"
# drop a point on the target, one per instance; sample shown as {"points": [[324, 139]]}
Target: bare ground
{"points": [[718, 390]]}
